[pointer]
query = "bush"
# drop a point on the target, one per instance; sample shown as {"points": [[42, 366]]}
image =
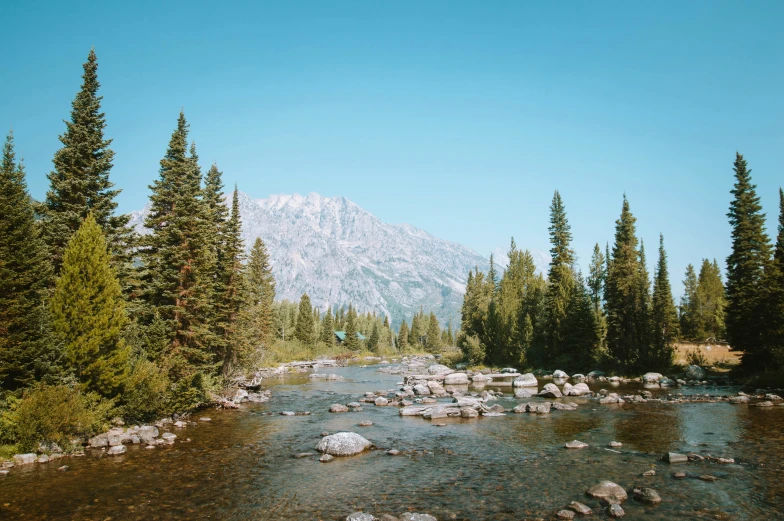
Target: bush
{"points": [[696, 357], [472, 348], [57, 414], [145, 397]]}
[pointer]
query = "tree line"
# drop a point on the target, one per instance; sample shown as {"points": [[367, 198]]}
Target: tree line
{"points": [[620, 317]]}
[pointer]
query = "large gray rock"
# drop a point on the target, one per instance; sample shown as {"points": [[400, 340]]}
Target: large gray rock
{"points": [[361, 516], [551, 391], [675, 457], [468, 401], [240, 396], [607, 491], [408, 516], [421, 390], [468, 412], [694, 372], [576, 389], [526, 380], [441, 411], [456, 379], [337, 407], [413, 410], [647, 495], [343, 444], [116, 450], [525, 392], [560, 374], [25, 459], [101, 440], [575, 444], [147, 433], [651, 378]]}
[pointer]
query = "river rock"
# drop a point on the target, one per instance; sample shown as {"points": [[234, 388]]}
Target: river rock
{"points": [[326, 458], [337, 407], [564, 514], [773, 397], [408, 516], [739, 399], [479, 378], [707, 477], [607, 491], [456, 379], [651, 378], [240, 396], [381, 401], [25, 459], [611, 398], [361, 516], [647, 495], [578, 389], [441, 411], [675, 457], [764, 404], [147, 433], [168, 437], [615, 510], [468, 412], [578, 376], [615, 444], [667, 382], [524, 392], [180, 424], [43, 458], [580, 508], [560, 374], [117, 450], [526, 380], [538, 407], [595, 374], [365, 424], [551, 391], [99, 441], [343, 444], [387, 517], [649, 473], [694, 372], [421, 390], [468, 401], [559, 406], [575, 444], [437, 369]]}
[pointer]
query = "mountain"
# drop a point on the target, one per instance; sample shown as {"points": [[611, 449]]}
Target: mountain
{"points": [[339, 253]]}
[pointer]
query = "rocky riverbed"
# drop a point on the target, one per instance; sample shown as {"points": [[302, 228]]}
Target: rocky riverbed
{"points": [[476, 447]]}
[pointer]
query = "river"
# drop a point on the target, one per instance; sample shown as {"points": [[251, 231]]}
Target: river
{"points": [[241, 464]]}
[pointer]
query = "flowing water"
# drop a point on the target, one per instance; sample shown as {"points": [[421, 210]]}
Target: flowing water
{"points": [[241, 465]]}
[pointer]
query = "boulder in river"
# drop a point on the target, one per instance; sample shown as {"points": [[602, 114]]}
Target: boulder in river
{"points": [[116, 450], [381, 401], [564, 514], [651, 378], [607, 491], [147, 433], [456, 379], [675, 457], [437, 369], [647, 495], [409, 516], [421, 390], [25, 459], [336, 407], [343, 444], [551, 391], [578, 389], [468, 412], [694, 372], [560, 374], [361, 516], [526, 380], [615, 510], [575, 444], [580, 508]]}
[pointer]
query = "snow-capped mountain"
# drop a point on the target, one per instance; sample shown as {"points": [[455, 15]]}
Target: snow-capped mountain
{"points": [[339, 253]]}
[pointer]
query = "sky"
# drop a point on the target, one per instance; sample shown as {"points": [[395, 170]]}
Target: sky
{"points": [[460, 118]]}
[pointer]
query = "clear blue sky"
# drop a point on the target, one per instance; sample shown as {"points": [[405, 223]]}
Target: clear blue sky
{"points": [[457, 117]]}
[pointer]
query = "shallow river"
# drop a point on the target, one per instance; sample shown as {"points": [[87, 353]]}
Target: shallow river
{"points": [[241, 465]]}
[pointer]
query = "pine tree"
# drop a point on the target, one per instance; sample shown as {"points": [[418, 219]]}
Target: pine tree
{"points": [[745, 265], [433, 339], [560, 278], [372, 342], [773, 310], [664, 317], [232, 296], [415, 334], [402, 337], [178, 261], [386, 321], [89, 313], [492, 276], [581, 328], [26, 352], [623, 294], [261, 289], [304, 331], [352, 341], [644, 306], [689, 308], [596, 278], [711, 302], [79, 183], [328, 328]]}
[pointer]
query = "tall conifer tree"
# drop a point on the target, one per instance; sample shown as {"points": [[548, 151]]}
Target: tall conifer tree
{"points": [[261, 289], [773, 308], [231, 296], [328, 328], [664, 317], [402, 337], [79, 183], [89, 314], [745, 267], [690, 307], [433, 338], [351, 342], [560, 279], [27, 353], [304, 331]]}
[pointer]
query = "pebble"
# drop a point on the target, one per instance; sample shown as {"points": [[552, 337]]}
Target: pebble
{"points": [[205, 419], [575, 445], [616, 511], [64, 468], [580, 508], [288, 413], [324, 433], [365, 424], [649, 473], [565, 514], [679, 475], [326, 458], [707, 477], [647, 495], [393, 452], [616, 444]]}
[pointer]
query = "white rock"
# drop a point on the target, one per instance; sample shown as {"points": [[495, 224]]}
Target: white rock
{"points": [[343, 444]]}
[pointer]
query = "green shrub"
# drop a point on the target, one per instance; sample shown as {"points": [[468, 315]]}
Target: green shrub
{"points": [[472, 348], [145, 397], [696, 357], [58, 413]]}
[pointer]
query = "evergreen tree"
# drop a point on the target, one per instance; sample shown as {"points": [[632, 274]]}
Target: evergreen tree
{"points": [[664, 317], [711, 302], [26, 352], [773, 310], [745, 265], [402, 337], [79, 183], [581, 329], [231, 296], [328, 328], [89, 313], [415, 334], [386, 321], [260, 285], [178, 261], [433, 339], [644, 306], [372, 342], [689, 309], [492, 276], [304, 331], [351, 342], [624, 294], [596, 278], [560, 278]]}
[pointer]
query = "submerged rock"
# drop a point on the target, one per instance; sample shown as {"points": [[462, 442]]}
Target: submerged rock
{"points": [[343, 444], [337, 407], [575, 444], [326, 458], [607, 491], [647, 495], [564, 514], [675, 457], [615, 510], [408, 516], [361, 516]]}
